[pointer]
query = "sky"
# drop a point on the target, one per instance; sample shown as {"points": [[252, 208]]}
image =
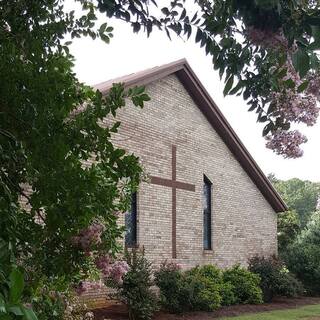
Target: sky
{"points": [[128, 53]]}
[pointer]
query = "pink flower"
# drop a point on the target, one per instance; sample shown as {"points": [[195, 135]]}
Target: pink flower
{"points": [[286, 143], [314, 85], [89, 237], [112, 270], [295, 107]]}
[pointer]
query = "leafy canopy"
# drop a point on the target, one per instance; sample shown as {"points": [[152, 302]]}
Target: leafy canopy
{"points": [[59, 170], [266, 50]]}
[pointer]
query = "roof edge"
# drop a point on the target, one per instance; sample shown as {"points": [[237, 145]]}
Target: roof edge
{"points": [[213, 114], [228, 135]]}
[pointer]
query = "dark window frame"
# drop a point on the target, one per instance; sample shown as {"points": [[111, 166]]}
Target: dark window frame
{"points": [[132, 241], [207, 214]]}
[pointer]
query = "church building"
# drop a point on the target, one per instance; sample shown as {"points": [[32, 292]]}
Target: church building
{"points": [[205, 201]]}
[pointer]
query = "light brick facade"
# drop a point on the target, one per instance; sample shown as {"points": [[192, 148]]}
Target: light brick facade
{"points": [[243, 221]]}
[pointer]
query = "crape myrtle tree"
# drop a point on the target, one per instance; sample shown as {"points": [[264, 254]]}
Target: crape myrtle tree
{"points": [[50, 123]]}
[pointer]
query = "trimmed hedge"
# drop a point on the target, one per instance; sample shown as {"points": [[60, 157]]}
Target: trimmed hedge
{"points": [[205, 288], [246, 285]]}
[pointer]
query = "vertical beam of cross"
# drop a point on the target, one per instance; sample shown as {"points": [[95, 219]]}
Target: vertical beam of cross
{"points": [[174, 185]]}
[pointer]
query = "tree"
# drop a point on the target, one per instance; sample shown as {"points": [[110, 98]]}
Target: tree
{"points": [[288, 229], [49, 130], [300, 196], [303, 256]]}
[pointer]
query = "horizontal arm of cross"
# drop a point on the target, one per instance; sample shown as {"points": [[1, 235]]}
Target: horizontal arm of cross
{"points": [[172, 184]]}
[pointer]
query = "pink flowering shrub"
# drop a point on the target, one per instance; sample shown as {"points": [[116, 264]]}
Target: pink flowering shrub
{"points": [[286, 143], [89, 237], [88, 240], [135, 289], [114, 270]]}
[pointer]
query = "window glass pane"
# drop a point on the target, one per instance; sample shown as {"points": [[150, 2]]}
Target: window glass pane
{"points": [[206, 200], [206, 241], [131, 223], [206, 192]]}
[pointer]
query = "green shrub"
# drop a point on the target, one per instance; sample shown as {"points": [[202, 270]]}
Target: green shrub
{"points": [[290, 286], [208, 271], [135, 291], [186, 291], [215, 275], [50, 304], [275, 278], [227, 294], [245, 284], [205, 294], [206, 288], [174, 291]]}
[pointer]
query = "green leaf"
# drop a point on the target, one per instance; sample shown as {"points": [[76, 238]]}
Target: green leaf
{"points": [[263, 119], [228, 86], [16, 285], [183, 14], [316, 33], [290, 84], [102, 28], [28, 313], [314, 45], [267, 129], [2, 305], [236, 88], [199, 35], [138, 90], [303, 86], [16, 310], [301, 62], [145, 97], [105, 38]]}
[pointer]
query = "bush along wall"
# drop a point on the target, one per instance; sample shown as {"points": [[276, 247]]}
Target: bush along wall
{"points": [[203, 288], [276, 280], [206, 288]]}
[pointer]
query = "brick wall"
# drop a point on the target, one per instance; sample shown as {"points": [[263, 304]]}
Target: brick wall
{"points": [[243, 222]]}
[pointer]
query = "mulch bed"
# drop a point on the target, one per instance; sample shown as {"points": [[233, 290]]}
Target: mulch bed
{"points": [[119, 312]]}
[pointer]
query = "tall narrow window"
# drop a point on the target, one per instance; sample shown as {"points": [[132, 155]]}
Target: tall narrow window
{"points": [[207, 213], [131, 223]]}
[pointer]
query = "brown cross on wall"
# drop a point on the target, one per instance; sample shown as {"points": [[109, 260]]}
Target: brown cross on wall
{"points": [[174, 185]]}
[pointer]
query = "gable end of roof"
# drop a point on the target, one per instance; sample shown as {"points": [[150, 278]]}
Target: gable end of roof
{"points": [[215, 117]]}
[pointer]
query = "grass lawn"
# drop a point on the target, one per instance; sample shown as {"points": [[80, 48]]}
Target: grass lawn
{"points": [[308, 313]]}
